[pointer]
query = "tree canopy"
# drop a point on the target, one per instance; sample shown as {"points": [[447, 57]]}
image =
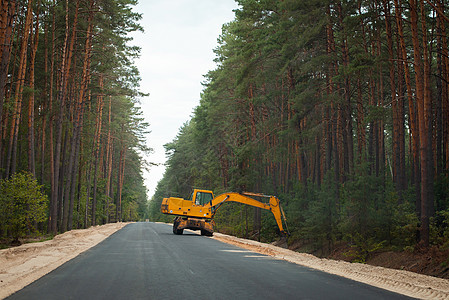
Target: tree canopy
{"points": [[340, 108]]}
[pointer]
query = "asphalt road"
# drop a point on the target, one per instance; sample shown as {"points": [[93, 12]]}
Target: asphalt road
{"points": [[147, 261]]}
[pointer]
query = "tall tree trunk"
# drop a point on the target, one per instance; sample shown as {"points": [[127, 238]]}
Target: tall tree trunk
{"points": [[318, 160], [73, 180], [108, 171], [70, 177], [31, 150], [122, 180], [84, 85], [51, 225], [62, 175], [74, 143], [397, 173], [346, 118], [97, 148], [426, 153], [381, 103], [76, 168], [420, 81], [414, 126], [401, 90], [57, 153], [78, 200], [444, 123], [118, 212], [441, 92], [361, 139], [45, 107], [400, 179], [12, 150], [7, 20], [330, 49]]}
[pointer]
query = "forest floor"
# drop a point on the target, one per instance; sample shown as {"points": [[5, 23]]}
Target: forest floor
{"points": [[19, 266]]}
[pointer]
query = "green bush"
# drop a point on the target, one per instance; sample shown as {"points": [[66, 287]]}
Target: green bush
{"points": [[439, 229], [22, 205]]}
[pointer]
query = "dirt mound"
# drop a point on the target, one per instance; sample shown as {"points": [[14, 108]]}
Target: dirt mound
{"points": [[433, 262]]}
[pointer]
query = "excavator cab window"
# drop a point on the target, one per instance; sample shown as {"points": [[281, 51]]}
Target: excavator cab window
{"points": [[203, 198]]}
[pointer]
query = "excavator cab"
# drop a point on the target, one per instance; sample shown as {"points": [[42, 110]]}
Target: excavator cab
{"points": [[201, 197]]}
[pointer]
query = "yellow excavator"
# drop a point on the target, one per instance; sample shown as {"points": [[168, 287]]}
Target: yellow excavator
{"points": [[197, 212]]}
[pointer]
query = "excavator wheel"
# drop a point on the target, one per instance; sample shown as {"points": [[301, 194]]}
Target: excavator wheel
{"points": [[175, 228], [178, 231], [206, 233]]}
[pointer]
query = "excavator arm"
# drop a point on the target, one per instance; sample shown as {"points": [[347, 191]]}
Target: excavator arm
{"points": [[273, 206]]}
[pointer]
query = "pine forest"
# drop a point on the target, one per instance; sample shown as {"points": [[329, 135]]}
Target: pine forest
{"points": [[71, 127], [339, 108]]}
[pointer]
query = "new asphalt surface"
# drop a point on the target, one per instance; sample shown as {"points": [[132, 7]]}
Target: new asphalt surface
{"points": [[147, 261]]}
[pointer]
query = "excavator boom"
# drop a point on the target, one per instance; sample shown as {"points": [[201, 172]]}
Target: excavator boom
{"points": [[198, 212]]}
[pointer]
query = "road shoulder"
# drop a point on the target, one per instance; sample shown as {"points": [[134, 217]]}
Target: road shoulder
{"points": [[398, 281]]}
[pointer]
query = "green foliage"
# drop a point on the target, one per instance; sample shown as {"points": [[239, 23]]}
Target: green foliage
{"points": [[21, 205], [322, 217], [361, 198], [442, 192], [440, 229], [400, 221], [130, 212], [298, 107], [362, 247]]}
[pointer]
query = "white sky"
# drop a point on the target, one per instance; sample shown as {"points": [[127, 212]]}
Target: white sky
{"points": [[176, 52]]}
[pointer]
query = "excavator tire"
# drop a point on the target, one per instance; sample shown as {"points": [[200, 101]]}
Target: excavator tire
{"points": [[175, 228], [206, 233]]}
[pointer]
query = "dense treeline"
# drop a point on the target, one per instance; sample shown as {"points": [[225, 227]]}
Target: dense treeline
{"points": [[69, 110], [340, 108]]}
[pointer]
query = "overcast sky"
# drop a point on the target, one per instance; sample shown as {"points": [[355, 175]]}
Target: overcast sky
{"points": [[176, 52]]}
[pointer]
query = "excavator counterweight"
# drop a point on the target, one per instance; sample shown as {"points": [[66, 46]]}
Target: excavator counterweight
{"points": [[198, 211]]}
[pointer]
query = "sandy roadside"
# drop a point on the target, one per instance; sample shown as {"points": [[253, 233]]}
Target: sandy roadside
{"points": [[22, 265]]}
